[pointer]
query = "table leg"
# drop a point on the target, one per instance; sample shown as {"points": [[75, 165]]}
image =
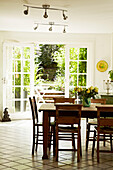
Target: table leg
{"points": [[45, 134]]}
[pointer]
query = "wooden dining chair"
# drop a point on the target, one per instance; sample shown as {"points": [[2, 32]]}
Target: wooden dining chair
{"points": [[104, 127], [38, 128], [68, 114], [91, 123], [66, 100]]}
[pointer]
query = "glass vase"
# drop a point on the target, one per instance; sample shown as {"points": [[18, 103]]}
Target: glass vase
{"points": [[86, 102]]}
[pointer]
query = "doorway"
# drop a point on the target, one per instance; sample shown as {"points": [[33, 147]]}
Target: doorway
{"points": [[18, 75]]}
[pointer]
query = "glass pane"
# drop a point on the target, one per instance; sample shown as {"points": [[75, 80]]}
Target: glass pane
{"points": [[12, 65], [12, 79], [17, 79], [82, 67], [73, 80], [73, 67], [13, 106], [71, 92], [26, 66], [26, 52], [17, 53], [26, 79], [26, 92], [73, 53], [17, 92], [83, 54], [13, 92], [18, 66], [25, 106], [17, 106], [82, 80]]}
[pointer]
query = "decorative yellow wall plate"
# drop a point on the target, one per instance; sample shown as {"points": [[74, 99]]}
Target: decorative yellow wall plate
{"points": [[102, 66]]}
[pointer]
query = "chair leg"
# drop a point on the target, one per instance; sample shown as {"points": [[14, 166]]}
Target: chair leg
{"points": [[50, 137], [78, 148], [111, 141], [88, 133], [33, 145], [73, 139], [37, 139], [104, 139], [93, 143], [98, 147], [56, 143]]}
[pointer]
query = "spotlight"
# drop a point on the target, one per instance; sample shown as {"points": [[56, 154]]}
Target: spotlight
{"points": [[64, 30], [64, 16], [26, 11], [35, 28], [46, 8], [50, 29], [45, 14]]}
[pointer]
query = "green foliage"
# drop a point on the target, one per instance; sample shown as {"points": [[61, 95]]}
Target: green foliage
{"points": [[46, 61], [83, 54], [111, 74]]}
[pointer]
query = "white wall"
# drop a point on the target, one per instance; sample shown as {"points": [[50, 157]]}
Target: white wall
{"points": [[100, 48]]}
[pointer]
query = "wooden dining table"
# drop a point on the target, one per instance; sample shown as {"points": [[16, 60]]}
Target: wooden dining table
{"points": [[49, 109]]}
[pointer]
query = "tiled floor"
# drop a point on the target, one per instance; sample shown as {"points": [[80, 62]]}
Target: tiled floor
{"points": [[16, 145]]}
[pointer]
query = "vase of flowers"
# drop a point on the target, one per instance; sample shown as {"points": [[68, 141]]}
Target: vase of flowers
{"points": [[86, 101], [86, 94]]}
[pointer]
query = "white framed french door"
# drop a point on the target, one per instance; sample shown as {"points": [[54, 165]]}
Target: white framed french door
{"points": [[18, 76], [76, 68]]}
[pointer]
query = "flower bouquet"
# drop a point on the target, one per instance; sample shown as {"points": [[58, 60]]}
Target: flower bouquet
{"points": [[86, 94]]}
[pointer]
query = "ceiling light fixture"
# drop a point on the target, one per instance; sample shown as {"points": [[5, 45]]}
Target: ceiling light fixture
{"points": [[50, 29], [64, 30], [46, 7], [26, 11], [51, 24], [64, 16], [35, 28]]}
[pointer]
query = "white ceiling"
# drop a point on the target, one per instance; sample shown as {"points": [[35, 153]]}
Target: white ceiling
{"points": [[84, 16]]}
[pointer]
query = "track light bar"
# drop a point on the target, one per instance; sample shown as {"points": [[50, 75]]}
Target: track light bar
{"points": [[46, 7], [51, 25]]}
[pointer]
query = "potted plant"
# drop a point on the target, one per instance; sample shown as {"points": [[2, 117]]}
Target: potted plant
{"points": [[111, 75]]}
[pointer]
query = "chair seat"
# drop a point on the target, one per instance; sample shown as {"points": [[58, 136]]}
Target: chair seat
{"points": [[68, 129], [106, 129]]}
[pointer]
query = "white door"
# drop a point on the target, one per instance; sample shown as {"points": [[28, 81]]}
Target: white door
{"points": [[18, 76], [76, 68]]}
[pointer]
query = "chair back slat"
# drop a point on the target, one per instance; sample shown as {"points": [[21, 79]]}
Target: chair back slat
{"points": [[68, 120], [64, 100]]}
